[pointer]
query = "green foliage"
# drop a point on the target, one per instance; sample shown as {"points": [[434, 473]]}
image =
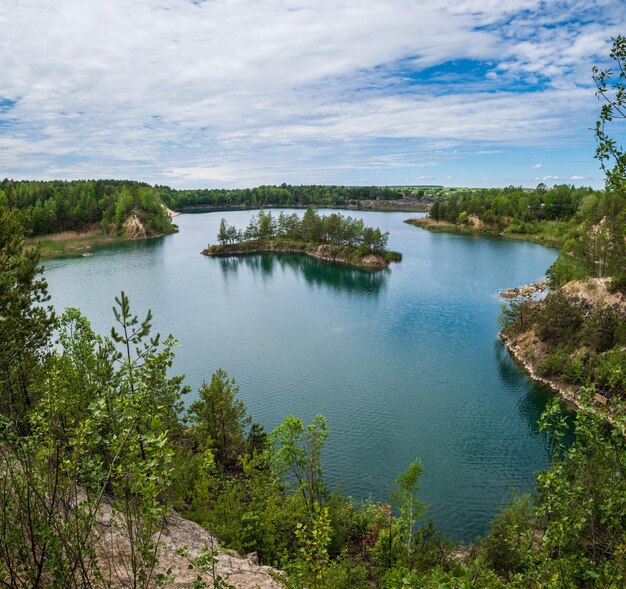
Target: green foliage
{"points": [[555, 363], [610, 372], [334, 229], [618, 283], [53, 206], [219, 421], [516, 315], [559, 318], [203, 564], [296, 451], [507, 547], [589, 225], [582, 504], [563, 270], [612, 91], [313, 549], [601, 328], [283, 195], [25, 322], [99, 426], [411, 509]]}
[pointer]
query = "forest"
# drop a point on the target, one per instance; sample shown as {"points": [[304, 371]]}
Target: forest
{"points": [[45, 207], [283, 195]]}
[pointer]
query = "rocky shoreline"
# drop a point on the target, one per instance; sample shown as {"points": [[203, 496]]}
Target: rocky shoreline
{"points": [[326, 252], [569, 393], [529, 351], [526, 291]]}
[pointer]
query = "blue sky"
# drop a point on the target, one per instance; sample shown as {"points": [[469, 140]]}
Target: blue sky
{"points": [[248, 92]]}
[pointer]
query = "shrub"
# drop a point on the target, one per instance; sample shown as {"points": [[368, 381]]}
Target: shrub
{"points": [[559, 318], [557, 363], [618, 283]]}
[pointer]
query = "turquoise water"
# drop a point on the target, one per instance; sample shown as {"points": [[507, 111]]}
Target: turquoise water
{"points": [[404, 362]]}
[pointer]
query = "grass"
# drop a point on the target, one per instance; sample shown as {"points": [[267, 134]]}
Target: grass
{"points": [[546, 233], [72, 243]]}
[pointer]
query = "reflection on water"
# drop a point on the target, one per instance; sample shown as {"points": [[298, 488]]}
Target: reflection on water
{"points": [[335, 277], [533, 403], [401, 362]]}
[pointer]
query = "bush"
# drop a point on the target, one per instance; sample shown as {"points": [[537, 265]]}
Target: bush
{"points": [[610, 372], [559, 320], [557, 363], [564, 270], [600, 329], [618, 283]]}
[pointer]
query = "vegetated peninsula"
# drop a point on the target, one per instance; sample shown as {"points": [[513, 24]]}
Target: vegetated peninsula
{"points": [[574, 340], [332, 238], [71, 217], [548, 216]]}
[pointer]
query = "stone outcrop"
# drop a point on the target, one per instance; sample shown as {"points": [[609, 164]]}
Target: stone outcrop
{"points": [[113, 549], [527, 291], [133, 228]]}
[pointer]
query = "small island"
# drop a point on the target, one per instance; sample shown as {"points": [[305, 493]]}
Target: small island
{"points": [[332, 238]]}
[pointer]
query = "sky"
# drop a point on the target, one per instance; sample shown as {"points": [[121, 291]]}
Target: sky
{"points": [[236, 93]]}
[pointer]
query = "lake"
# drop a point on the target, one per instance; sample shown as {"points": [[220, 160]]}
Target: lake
{"points": [[403, 362]]}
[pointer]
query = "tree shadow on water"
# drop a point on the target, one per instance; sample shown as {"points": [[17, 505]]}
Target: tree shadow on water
{"points": [[533, 397], [319, 274]]}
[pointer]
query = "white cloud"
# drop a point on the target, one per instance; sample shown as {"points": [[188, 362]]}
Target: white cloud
{"points": [[243, 91], [537, 166]]}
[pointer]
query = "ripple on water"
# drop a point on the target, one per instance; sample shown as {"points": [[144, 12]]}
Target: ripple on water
{"points": [[403, 363]]}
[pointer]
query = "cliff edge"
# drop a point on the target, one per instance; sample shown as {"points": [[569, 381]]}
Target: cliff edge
{"points": [[574, 341]]}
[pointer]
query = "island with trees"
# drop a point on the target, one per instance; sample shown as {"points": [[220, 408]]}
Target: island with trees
{"points": [[333, 238]]}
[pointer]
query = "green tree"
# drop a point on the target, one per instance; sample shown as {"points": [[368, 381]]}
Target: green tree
{"points": [[220, 421], [410, 507], [25, 322], [297, 450], [222, 235]]}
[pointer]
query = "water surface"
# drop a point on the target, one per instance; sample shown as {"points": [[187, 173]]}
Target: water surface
{"points": [[404, 362]]}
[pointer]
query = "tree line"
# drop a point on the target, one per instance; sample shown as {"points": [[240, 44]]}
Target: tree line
{"points": [[589, 225], [58, 205], [335, 229], [282, 195], [46, 207]]}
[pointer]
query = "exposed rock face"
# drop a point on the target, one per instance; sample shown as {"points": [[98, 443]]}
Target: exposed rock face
{"points": [[170, 212], [326, 252], [528, 349], [374, 261], [527, 291], [133, 228], [114, 556], [594, 291], [475, 222]]}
